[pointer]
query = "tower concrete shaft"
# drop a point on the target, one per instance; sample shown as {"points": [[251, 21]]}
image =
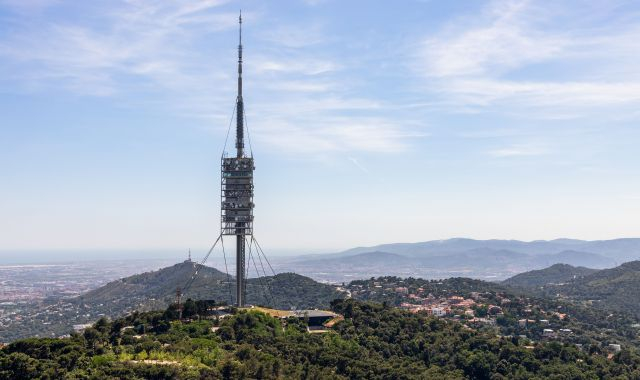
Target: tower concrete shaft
{"points": [[240, 271]]}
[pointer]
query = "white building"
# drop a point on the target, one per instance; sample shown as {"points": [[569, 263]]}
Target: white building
{"points": [[438, 311], [548, 333]]}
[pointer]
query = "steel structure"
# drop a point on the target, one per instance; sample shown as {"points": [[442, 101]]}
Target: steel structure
{"points": [[237, 189]]}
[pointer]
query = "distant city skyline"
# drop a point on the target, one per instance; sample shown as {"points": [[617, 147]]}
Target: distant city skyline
{"points": [[371, 122]]}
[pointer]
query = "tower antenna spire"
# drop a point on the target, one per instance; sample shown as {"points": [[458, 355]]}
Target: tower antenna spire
{"points": [[239, 101]]}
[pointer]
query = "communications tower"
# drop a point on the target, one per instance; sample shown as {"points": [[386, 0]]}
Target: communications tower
{"points": [[236, 211], [237, 189]]}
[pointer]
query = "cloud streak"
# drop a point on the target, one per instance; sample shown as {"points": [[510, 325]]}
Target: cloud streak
{"points": [[518, 151], [505, 42], [513, 55], [149, 42], [152, 52]]}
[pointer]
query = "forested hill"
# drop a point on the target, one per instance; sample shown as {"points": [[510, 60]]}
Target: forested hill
{"points": [[616, 288], [372, 342], [154, 285], [555, 274], [155, 290]]}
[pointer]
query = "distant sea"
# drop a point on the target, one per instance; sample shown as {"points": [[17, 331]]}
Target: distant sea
{"points": [[17, 257]]}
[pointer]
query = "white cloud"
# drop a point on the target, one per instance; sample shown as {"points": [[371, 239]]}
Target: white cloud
{"points": [[507, 42], [518, 56], [149, 41], [518, 151], [305, 66], [333, 134], [314, 3], [152, 52], [486, 91]]}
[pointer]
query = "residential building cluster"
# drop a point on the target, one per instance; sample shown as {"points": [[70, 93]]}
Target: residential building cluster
{"points": [[508, 315]]}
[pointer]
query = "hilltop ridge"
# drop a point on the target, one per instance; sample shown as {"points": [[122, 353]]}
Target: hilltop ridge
{"points": [[156, 289], [615, 288], [283, 290], [555, 274]]}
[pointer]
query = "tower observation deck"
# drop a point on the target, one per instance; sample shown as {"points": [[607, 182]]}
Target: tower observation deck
{"points": [[237, 189]]}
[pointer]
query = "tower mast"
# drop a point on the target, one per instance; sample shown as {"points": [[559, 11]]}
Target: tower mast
{"points": [[237, 189], [239, 101], [240, 253]]}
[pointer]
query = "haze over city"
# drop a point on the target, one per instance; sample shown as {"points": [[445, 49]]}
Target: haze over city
{"points": [[371, 123]]}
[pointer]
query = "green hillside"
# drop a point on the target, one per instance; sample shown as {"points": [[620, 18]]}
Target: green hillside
{"points": [[616, 288], [151, 286], [155, 290], [555, 274]]}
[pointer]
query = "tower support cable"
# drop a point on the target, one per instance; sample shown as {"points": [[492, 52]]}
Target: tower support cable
{"points": [[260, 279], [198, 266], [265, 256], [226, 269], [266, 281]]}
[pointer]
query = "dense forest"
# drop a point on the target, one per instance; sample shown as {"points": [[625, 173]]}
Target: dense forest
{"points": [[374, 341]]}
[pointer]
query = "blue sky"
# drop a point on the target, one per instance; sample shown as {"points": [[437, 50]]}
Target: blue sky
{"points": [[371, 122]]}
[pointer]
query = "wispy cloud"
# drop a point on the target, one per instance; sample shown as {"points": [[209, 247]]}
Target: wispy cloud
{"points": [[570, 72], [305, 86], [333, 134], [146, 41], [358, 165], [518, 151], [314, 2], [153, 52], [545, 94], [306, 66], [504, 41]]}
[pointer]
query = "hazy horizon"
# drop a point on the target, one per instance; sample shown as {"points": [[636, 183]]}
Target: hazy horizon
{"points": [[56, 256]]}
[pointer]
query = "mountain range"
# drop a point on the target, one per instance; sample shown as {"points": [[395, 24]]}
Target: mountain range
{"points": [[617, 249], [484, 259]]}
